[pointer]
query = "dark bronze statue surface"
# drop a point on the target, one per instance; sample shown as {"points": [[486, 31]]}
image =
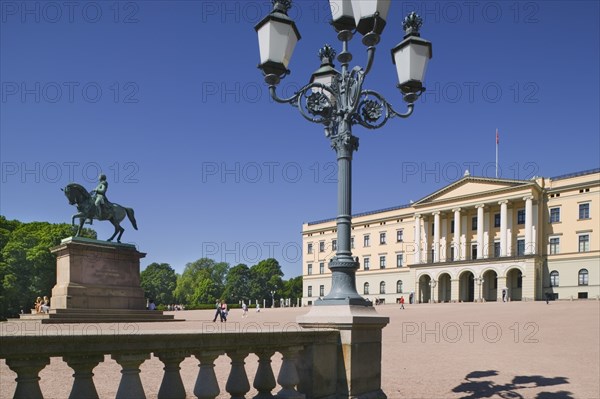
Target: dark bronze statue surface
{"points": [[95, 205]]}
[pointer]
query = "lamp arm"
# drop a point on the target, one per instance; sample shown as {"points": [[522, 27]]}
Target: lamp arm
{"points": [[410, 108], [274, 96], [370, 59]]}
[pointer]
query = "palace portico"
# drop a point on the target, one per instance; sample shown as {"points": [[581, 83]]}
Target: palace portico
{"points": [[477, 239]]}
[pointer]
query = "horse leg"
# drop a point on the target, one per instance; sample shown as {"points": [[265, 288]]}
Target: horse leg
{"points": [[120, 234], [81, 222]]}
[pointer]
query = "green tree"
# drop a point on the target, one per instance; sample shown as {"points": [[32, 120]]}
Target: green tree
{"points": [[264, 278], [201, 282], [159, 281], [27, 268], [237, 283], [292, 289]]}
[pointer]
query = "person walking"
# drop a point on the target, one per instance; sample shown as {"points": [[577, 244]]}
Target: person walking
{"points": [[224, 311], [245, 309], [402, 302], [218, 312]]}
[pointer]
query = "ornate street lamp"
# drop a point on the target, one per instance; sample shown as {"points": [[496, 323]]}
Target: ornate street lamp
{"points": [[337, 100]]}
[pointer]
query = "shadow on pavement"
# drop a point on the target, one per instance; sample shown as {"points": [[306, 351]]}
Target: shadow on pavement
{"points": [[480, 384]]}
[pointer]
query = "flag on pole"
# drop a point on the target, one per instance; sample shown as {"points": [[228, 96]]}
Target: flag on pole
{"points": [[497, 142]]}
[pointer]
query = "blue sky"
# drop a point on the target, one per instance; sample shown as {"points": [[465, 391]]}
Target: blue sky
{"points": [[166, 99]]}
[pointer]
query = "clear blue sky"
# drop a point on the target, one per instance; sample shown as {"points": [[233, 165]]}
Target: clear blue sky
{"points": [[166, 99]]}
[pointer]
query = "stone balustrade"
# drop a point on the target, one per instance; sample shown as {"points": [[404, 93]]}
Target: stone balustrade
{"points": [[309, 367]]}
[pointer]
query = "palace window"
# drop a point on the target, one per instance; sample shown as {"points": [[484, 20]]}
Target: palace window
{"points": [[584, 243], [521, 216], [432, 229], [554, 245], [452, 253], [520, 247], [382, 287], [474, 251], [321, 267], [382, 262], [366, 289], [322, 246], [584, 211], [309, 293], [321, 290], [366, 241], [496, 220], [400, 235], [399, 287], [381, 238], [452, 227], [583, 277], [496, 249], [554, 215], [334, 245], [399, 260], [367, 263], [310, 248], [474, 223], [352, 242], [310, 268], [553, 278]]}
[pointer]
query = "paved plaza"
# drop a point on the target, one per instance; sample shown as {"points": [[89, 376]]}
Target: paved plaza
{"points": [[462, 350]]}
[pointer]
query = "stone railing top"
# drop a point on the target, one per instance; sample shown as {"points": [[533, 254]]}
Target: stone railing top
{"points": [[20, 345]]}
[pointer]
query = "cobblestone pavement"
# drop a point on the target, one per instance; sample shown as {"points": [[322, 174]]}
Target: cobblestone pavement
{"points": [[430, 351]]}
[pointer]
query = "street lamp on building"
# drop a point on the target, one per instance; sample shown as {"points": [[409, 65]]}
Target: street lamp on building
{"points": [[337, 100]]}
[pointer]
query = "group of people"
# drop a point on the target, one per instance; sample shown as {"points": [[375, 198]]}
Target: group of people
{"points": [[42, 305]]}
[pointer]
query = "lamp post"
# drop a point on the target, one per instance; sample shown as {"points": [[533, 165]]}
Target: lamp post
{"points": [[480, 282], [337, 100], [272, 299]]}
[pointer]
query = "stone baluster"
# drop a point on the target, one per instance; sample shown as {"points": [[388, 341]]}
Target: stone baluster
{"points": [[171, 386], [207, 386], [288, 374], [83, 384], [264, 380], [237, 382], [27, 370], [130, 386]]}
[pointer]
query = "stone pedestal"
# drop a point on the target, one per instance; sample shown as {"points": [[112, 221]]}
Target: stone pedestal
{"points": [[359, 350], [97, 281], [92, 274]]}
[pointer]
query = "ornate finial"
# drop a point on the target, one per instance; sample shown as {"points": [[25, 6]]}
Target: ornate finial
{"points": [[412, 23], [282, 5], [327, 54]]}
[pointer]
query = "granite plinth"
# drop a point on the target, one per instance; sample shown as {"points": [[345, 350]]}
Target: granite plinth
{"points": [[97, 281]]}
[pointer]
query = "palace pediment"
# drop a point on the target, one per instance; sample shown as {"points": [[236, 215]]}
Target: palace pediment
{"points": [[470, 186]]}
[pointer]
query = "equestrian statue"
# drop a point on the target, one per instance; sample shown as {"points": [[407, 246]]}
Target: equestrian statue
{"points": [[95, 205]]}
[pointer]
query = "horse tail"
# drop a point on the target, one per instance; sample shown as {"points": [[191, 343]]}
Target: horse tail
{"points": [[131, 217]]}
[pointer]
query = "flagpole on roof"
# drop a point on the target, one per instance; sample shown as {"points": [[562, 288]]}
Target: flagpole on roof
{"points": [[497, 142]]}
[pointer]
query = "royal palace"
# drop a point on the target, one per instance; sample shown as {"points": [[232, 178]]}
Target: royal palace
{"points": [[477, 239]]}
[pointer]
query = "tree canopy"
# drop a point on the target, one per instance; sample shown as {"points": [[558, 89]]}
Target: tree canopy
{"points": [[159, 281], [27, 268]]}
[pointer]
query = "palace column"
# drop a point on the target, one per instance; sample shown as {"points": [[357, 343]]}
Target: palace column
{"points": [[436, 236], [417, 239], [480, 231], [456, 241], [503, 227], [528, 224]]}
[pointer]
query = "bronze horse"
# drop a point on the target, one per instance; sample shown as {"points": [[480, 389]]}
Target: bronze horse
{"points": [[114, 213]]}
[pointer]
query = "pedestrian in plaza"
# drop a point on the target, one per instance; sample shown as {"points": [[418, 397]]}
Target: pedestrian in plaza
{"points": [[402, 302], [218, 312], [224, 311], [245, 309]]}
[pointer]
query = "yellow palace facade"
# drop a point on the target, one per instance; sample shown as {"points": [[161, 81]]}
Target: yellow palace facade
{"points": [[477, 239]]}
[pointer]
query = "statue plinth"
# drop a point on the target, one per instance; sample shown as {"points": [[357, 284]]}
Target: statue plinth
{"points": [[92, 274], [97, 281]]}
